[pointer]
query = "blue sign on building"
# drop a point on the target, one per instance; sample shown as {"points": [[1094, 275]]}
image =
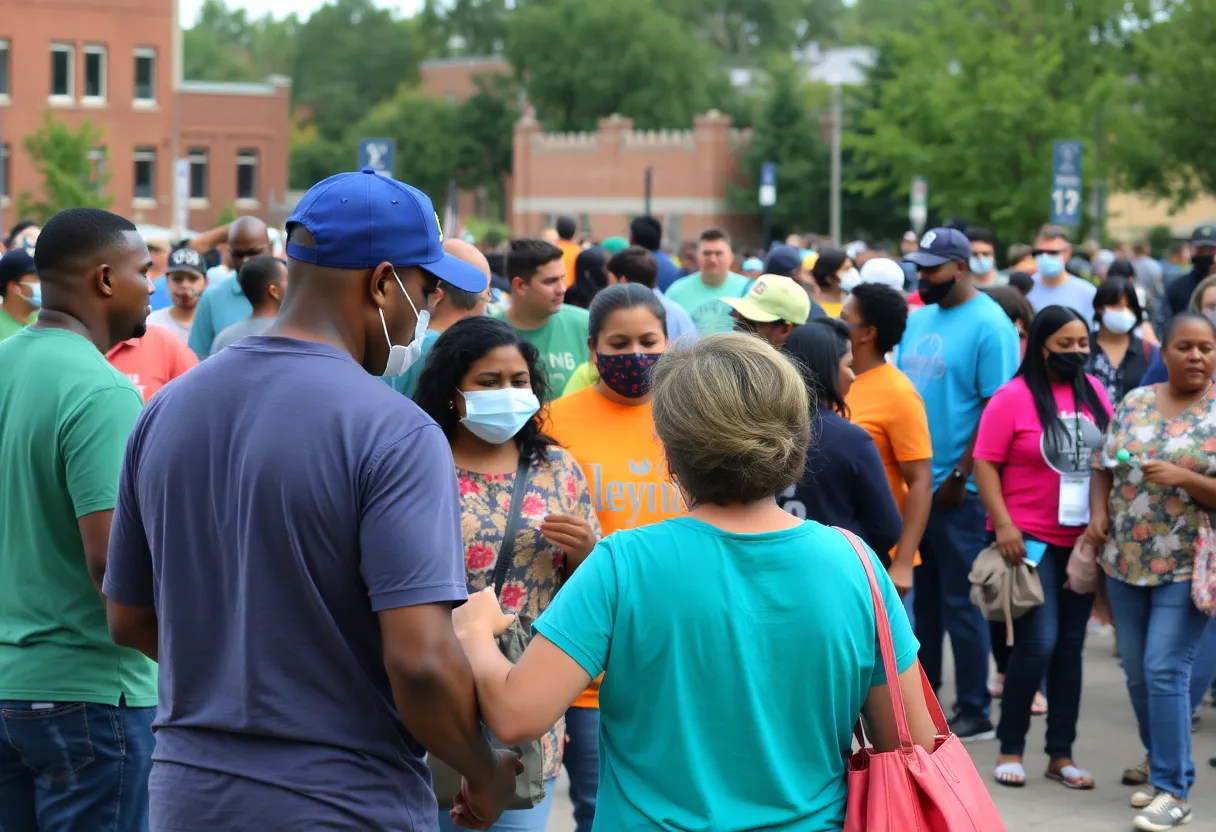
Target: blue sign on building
{"points": [[378, 154], [1066, 183]]}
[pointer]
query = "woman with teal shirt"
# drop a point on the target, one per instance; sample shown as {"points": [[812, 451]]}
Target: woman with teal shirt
{"points": [[738, 643]]}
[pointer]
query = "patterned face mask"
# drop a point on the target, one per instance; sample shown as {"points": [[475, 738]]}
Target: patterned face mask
{"points": [[627, 374]]}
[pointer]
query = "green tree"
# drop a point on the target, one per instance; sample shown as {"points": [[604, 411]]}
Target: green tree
{"points": [[485, 134], [788, 133], [225, 45], [582, 61], [60, 153], [751, 28], [977, 115], [425, 129]]}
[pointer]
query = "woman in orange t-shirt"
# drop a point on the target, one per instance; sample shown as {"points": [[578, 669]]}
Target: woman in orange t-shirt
{"points": [[609, 430]]}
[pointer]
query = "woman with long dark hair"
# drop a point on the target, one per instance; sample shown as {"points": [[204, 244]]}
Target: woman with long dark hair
{"points": [[844, 483], [590, 276], [1119, 357], [483, 385], [1033, 452]]}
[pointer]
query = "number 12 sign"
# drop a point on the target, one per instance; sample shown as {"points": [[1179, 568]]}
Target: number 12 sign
{"points": [[1066, 183]]}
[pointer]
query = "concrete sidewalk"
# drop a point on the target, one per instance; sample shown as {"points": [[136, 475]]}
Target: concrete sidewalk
{"points": [[1106, 744]]}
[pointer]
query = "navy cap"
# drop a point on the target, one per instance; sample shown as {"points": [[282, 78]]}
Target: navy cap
{"points": [[783, 259], [360, 220], [940, 245], [187, 260], [1204, 235], [14, 265]]}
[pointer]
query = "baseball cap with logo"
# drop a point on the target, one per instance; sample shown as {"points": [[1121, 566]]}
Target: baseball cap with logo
{"points": [[1204, 235], [772, 298], [187, 260], [360, 220], [940, 245]]}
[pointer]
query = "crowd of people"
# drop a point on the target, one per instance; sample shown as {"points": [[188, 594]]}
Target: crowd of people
{"points": [[276, 501]]}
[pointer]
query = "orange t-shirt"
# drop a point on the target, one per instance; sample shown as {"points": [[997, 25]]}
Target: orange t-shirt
{"points": [[621, 457], [885, 403], [570, 253], [152, 361]]}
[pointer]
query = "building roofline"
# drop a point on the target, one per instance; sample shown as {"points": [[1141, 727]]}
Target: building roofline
{"points": [[471, 60], [270, 87]]}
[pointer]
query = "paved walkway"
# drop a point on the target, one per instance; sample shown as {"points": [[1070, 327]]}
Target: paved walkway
{"points": [[1107, 743]]}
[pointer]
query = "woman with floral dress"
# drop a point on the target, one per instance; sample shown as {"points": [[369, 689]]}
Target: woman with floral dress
{"points": [[483, 385], [1152, 494]]}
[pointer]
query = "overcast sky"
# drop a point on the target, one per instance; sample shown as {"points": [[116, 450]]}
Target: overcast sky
{"points": [[256, 8]]}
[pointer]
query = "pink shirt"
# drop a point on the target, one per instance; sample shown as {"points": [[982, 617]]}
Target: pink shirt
{"points": [[1011, 437]]}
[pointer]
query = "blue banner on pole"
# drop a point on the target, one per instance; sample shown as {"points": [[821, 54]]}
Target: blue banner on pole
{"points": [[1066, 183], [378, 154]]}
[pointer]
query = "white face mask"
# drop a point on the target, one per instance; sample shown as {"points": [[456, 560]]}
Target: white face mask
{"points": [[849, 280], [497, 415], [1119, 321], [402, 356]]}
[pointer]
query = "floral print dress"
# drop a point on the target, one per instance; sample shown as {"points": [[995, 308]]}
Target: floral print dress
{"points": [[555, 486], [1153, 529]]}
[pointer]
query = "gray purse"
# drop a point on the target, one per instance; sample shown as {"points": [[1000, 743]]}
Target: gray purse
{"points": [[530, 785]]}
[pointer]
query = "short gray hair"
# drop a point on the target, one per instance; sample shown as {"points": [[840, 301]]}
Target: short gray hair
{"points": [[1052, 232]]}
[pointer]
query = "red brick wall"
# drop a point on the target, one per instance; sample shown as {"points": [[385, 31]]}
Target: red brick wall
{"points": [[599, 178], [455, 78], [224, 122]]}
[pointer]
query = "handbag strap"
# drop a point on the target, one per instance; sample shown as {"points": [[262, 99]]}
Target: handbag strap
{"points": [[506, 549], [887, 648]]}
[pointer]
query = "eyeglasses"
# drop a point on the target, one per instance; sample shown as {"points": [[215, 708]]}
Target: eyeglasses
{"points": [[1052, 252]]}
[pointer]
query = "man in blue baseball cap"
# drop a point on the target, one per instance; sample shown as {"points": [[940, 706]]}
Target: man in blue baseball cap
{"points": [[287, 545], [958, 349]]}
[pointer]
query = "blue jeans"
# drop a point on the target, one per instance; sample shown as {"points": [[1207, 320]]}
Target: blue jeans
{"points": [[953, 537], [514, 820], [1203, 675], [582, 761], [74, 767], [1159, 631], [1047, 641]]}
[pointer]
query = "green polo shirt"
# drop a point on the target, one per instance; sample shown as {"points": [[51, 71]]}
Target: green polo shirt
{"points": [[10, 326], [66, 414]]}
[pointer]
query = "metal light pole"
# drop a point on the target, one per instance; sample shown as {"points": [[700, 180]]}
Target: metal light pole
{"points": [[837, 118], [649, 186]]}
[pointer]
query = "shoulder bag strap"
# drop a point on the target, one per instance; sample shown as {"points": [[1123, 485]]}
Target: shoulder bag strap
{"points": [[507, 549]]}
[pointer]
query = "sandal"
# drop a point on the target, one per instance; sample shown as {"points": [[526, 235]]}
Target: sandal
{"points": [[1071, 777], [1012, 775], [1039, 706]]}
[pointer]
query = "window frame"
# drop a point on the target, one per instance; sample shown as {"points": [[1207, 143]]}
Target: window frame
{"points": [[97, 156], [199, 156], [6, 172], [247, 157], [141, 155], [98, 50], [6, 58], [68, 49], [144, 53]]}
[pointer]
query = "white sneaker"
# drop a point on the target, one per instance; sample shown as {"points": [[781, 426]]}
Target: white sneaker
{"points": [[1142, 797], [1166, 812]]}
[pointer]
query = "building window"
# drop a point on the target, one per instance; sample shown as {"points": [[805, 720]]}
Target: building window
{"points": [[145, 74], [247, 174], [198, 172], [4, 171], [63, 71], [94, 73], [97, 166], [584, 224], [145, 173], [4, 68]]}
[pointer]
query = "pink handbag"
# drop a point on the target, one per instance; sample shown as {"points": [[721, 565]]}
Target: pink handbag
{"points": [[913, 790]]}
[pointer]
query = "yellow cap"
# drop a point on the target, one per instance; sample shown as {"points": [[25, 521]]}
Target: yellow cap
{"points": [[771, 298], [809, 260]]}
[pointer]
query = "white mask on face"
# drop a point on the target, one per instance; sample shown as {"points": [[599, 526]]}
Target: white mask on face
{"points": [[497, 415], [403, 356], [1119, 321], [849, 280]]}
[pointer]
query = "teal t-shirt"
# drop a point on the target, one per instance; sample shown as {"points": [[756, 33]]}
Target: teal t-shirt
{"points": [[735, 666], [562, 344], [704, 303], [67, 415], [407, 383], [222, 305]]}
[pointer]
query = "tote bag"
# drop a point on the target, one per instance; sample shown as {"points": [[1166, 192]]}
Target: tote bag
{"points": [[913, 790]]}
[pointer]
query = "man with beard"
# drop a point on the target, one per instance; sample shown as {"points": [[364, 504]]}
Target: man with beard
{"points": [[77, 708]]}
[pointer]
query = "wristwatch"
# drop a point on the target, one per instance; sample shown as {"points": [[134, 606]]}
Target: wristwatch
{"points": [[957, 475]]}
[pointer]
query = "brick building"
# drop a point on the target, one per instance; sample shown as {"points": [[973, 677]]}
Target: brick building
{"points": [[455, 79], [118, 64], [600, 178]]}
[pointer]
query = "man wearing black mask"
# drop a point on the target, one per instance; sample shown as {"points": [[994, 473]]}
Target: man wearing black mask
{"points": [[957, 350], [1203, 255]]}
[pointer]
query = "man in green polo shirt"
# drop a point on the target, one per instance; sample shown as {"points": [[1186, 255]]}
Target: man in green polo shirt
{"points": [[76, 710], [20, 292]]}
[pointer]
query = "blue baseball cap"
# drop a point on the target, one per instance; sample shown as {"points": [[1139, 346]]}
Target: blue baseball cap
{"points": [[783, 259], [360, 220], [940, 245]]}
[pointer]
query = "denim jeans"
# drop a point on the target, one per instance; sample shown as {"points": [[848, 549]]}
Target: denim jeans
{"points": [[1047, 641], [1159, 631], [513, 820], [1203, 675], [582, 761], [952, 540], [74, 767]]}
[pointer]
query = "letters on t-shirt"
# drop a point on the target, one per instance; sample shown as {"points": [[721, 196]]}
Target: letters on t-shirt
{"points": [[631, 496]]}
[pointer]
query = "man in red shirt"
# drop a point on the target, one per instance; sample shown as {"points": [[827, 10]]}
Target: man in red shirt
{"points": [[152, 360]]}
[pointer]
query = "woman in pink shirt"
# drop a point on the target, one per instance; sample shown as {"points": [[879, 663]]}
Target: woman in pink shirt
{"points": [[1033, 452]]}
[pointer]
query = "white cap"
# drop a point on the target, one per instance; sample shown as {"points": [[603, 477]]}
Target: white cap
{"points": [[883, 270]]}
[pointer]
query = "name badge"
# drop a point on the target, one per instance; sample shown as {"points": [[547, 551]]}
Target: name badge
{"points": [[1074, 500]]}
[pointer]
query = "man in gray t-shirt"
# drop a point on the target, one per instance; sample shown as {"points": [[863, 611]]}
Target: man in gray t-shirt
{"points": [[263, 281], [1053, 285]]}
